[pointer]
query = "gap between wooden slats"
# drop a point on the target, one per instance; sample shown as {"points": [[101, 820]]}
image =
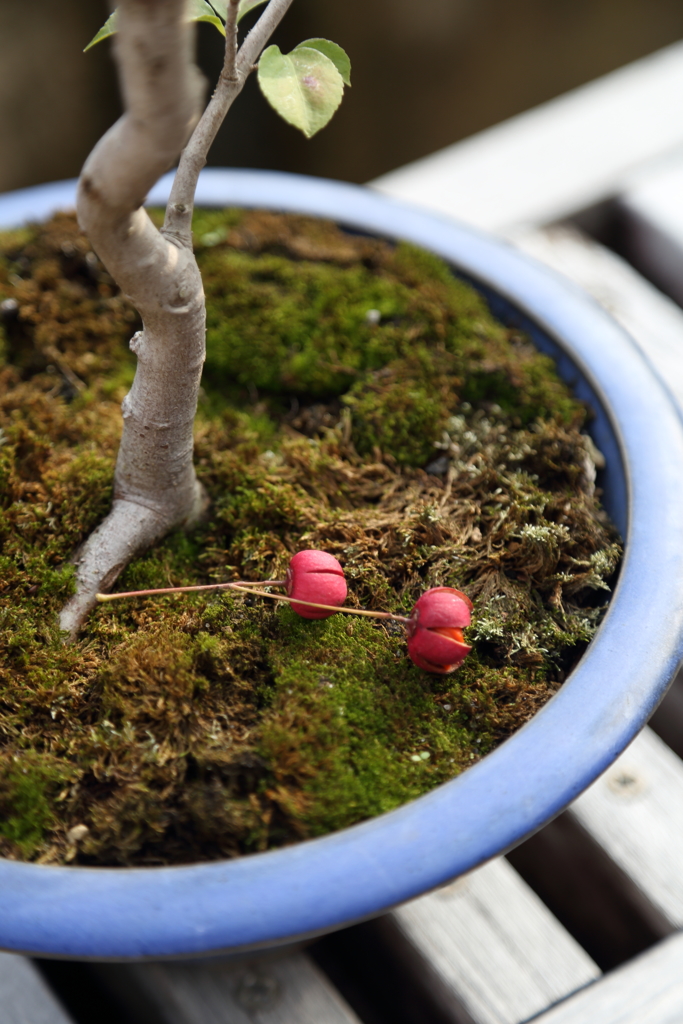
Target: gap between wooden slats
{"points": [[588, 893], [667, 720], [649, 213]]}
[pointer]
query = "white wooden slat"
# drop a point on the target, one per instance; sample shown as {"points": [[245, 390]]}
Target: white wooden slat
{"points": [[647, 990], [24, 996], [493, 947], [557, 158], [284, 990]]}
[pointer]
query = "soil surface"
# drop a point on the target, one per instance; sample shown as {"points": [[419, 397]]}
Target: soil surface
{"points": [[357, 398]]}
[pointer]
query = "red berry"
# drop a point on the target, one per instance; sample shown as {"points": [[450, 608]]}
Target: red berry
{"points": [[435, 640], [315, 576]]}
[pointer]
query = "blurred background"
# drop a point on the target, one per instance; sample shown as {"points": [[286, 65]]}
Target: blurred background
{"points": [[425, 74]]}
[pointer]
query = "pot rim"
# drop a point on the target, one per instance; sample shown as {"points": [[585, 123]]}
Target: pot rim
{"points": [[283, 895]]}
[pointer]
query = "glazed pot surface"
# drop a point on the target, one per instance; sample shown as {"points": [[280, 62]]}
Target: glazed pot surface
{"points": [[318, 885]]}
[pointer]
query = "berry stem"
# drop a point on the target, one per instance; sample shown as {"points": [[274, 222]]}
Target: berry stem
{"points": [[250, 588], [184, 590], [323, 607]]}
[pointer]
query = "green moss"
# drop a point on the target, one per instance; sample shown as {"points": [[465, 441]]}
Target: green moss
{"points": [[351, 731], [402, 409], [339, 367], [29, 785]]}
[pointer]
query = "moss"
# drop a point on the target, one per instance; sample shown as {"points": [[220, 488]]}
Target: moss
{"points": [[357, 398], [352, 730], [29, 785]]}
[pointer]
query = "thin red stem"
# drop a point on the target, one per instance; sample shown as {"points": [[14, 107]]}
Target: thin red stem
{"points": [[185, 590], [249, 588], [324, 607]]}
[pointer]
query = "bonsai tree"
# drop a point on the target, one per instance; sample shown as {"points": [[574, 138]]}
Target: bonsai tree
{"points": [[155, 485]]}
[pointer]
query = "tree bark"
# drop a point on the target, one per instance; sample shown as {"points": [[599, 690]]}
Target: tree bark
{"points": [[155, 486]]}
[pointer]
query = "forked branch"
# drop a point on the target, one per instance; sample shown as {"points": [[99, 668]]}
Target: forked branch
{"points": [[155, 485], [237, 67]]}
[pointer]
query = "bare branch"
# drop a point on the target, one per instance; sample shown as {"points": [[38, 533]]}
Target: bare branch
{"points": [[178, 221], [230, 70], [252, 46]]}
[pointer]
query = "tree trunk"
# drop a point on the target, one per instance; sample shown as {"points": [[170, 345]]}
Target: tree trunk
{"points": [[155, 486]]}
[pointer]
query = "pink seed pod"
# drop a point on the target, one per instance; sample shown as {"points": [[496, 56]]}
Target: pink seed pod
{"points": [[315, 576], [435, 640]]}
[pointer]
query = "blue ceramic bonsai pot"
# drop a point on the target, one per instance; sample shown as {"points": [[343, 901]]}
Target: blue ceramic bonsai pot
{"points": [[270, 898]]}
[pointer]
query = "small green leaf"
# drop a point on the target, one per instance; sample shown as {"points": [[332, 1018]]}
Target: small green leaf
{"points": [[221, 7], [248, 5], [197, 10], [304, 86], [338, 56], [200, 10], [108, 29]]}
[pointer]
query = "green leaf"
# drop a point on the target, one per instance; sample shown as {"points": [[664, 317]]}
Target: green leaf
{"points": [[108, 29], [338, 56], [197, 10], [200, 10], [304, 86], [248, 5], [221, 7]]}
